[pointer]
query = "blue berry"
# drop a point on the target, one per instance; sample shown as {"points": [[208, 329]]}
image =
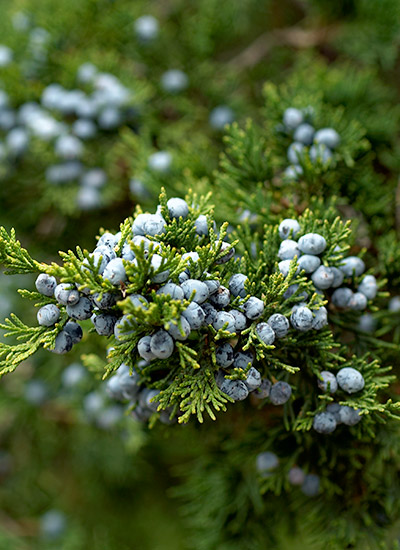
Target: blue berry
{"points": [[394, 304], [320, 318], [350, 380], [177, 208], [66, 294], [266, 463], [284, 267], [154, 225], [175, 291], [288, 227], [280, 393], [295, 152], [264, 390], [292, 118], [221, 297], [104, 324], [144, 348], [224, 355], [194, 315], [312, 243], [106, 301], [213, 286], [320, 152], [236, 389], [342, 297], [288, 250], [349, 416], [265, 333], [74, 330], [279, 324], [221, 116], [48, 315], [322, 277], [160, 162], [240, 320], [63, 343], [113, 388], [367, 323], [334, 408], [228, 252], [327, 381], [358, 301], [328, 137], [36, 392], [253, 380], [236, 285], [73, 375], [253, 308], [309, 263], [296, 476], [224, 318], [210, 313], [368, 287], [45, 284], [162, 344], [180, 331], [174, 81], [201, 225], [338, 277], [82, 310], [199, 288], [156, 262], [302, 319], [293, 171], [304, 134], [122, 326], [352, 266], [242, 359], [146, 28], [311, 485], [52, 524]]}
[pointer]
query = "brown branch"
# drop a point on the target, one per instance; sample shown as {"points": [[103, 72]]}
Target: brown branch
{"points": [[296, 37]]}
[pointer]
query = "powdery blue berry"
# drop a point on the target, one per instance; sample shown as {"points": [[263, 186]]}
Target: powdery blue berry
{"points": [[338, 277], [292, 118], [322, 277], [124, 327], [144, 349], [327, 381], [367, 323], [253, 380], [63, 343], [210, 313], [311, 485], [48, 315], [295, 152], [265, 333], [194, 315], [104, 324], [266, 463], [242, 359], [350, 380], [74, 331], [285, 265], [113, 388], [177, 208], [65, 294], [328, 137], [73, 375], [312, 243], [224, 318], [280, 393], [288, 250], [236, 285], [105, 300], [368, 287], [302, 319], [162, 344], [358, 301], [181, 330], [221, 297], [320, 152], [296, 476], [46, 284], [146, 28], [227, 252], [342, 297], [334, 408], [236, 389], [279, 324], [221, 116], [52, 524], [309, 263], [154, 225], [263, 391], [115, 272], [394, 304], [224, 355], [240, 320], [304, 134], [160, 162], [199, 289], [212, 285], [201, 225], [320, 318], [82, 310], [349, 416], [288, 227], [174, 81], [293, 171], [253, 308], [352, 266], [156, 263], [173, 290]]}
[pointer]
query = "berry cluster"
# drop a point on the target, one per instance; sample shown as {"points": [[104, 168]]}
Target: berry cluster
{"points": [[317, 145], [267, 463]]}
